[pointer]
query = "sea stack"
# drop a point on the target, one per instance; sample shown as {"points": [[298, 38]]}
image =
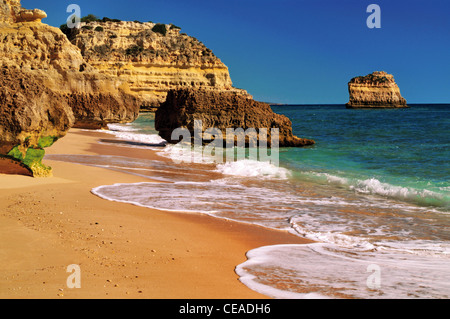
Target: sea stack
{"points": [[376, 90]]}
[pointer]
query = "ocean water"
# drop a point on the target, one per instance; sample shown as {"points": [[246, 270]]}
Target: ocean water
{"points": [[374, 193]]}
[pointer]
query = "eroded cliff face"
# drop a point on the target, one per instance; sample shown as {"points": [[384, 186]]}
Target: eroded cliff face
{"points": [[376, 90], [32, 117], [47, 87], [152, 59], [45, 52], [221, 110]]}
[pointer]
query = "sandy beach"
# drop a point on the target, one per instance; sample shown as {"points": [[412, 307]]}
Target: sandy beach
{"points": [[124, 251]]}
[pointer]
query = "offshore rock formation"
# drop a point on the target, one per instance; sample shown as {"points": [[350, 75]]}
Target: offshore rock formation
{"points": [[151, 58], [221, 110], [376, 90], [47, 87]]}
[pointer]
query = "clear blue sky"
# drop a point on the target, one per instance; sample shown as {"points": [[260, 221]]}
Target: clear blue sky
{"points": [[295, 51]]}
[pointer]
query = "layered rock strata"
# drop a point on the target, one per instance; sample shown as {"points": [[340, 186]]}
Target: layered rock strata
{"points": [[221, 110], [151, 58], [47, 88], [376, 90]]}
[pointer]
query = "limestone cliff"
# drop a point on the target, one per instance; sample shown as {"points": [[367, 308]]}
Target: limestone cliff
{"points": [[44, 51], [47, 87], [151, 58], [221, 110], [32, 117], [376, 90]]}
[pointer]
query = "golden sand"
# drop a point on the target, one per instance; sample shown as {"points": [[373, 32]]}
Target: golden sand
{"points": [[123, 251]]}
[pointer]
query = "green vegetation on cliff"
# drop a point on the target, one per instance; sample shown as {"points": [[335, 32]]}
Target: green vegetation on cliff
{"points": [[87, 19], [134, 50], [370, 78], [160, 28], [34, 155]]}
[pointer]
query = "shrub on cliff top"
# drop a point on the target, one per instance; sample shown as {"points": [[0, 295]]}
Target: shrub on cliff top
{"points": [[370, 78], [106, 19], [90, 18], [99, 29], [160, 28]]}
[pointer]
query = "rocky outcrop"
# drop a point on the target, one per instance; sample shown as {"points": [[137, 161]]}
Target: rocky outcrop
{"points": [[32, 117], [8, 10], [47, 87], [376, 90], [151, 58], [29, 110], [221, 110], [96, 110], [9, 165], [30, 15], [12, 12], [45, 52]]}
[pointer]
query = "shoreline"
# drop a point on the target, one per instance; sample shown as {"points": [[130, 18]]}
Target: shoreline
{"points": [[123, 250]]}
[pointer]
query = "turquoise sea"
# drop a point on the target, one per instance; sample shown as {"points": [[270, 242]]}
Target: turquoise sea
{"points": [[406, 150], [374, 193]]}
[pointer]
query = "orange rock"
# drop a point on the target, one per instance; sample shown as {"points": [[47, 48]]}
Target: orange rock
{"points": [[376, 90]]}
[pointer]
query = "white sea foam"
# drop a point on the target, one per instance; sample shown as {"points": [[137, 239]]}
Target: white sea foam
{"points": [[142, 138], [122, 127], [127, 132], [261, 257], [180, 153], [374, 186], [339, 239], [332, 179], [133, 194], [252, 168], [332, 271], [184, 153], [426, 248]]}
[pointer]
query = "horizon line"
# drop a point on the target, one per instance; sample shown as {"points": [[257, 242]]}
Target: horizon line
{"points": [[339, 104]]}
